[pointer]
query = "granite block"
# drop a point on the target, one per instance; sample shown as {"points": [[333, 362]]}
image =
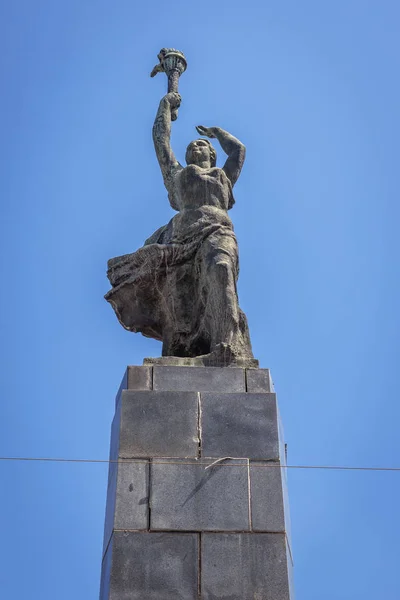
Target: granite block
{"points": [[199, 379], [132, 497], [154, 566], [127, 498], [259, 381], [110, 504], [114, 443], [242, 566], [191, 497], [123, 386], [158, 424], [242, 425], [282, 445], [267, 502], [139, 378], [135, 378], [106, 572]]}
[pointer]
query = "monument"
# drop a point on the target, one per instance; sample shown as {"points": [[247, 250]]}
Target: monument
{"points": [[197, 499]]}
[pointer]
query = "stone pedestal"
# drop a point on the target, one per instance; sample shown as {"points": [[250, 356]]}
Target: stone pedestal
{"points": [[197, 495]]}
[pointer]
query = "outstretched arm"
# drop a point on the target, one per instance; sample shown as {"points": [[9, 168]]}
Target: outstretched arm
{"points": [[235, 150], [161, 138]]}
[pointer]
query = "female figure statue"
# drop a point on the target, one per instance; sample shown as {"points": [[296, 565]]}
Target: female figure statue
{"points": [[180, 287]]}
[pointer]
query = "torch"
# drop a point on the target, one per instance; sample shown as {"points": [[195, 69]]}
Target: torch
{"points": [[173, 64]]}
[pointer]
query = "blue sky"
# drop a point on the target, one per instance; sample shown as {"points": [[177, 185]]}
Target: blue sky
{"points": [[312, 89]]}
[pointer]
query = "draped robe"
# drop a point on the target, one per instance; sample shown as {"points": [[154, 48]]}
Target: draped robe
{"points": [[164, 290]]}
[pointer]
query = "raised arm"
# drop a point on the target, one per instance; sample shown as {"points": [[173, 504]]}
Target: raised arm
{"points": [[235, 150], [161, 138]]}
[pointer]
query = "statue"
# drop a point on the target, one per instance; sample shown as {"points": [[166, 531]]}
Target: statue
{"points": [[180, 287]]}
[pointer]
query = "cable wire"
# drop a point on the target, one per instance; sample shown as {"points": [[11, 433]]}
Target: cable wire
{"points": [[255, 463]]}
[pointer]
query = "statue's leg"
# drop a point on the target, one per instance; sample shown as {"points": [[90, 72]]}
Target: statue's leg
{"points": [[223, 303], [177, 295], [219, 280]]}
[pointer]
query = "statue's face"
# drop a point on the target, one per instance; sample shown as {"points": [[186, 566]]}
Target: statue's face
{"points": [[199, 153]]}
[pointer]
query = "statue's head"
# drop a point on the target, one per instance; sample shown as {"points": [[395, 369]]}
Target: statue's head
{"points": [[200, 152]]}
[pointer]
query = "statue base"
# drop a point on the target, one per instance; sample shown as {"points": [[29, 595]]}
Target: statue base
{"points": [[197, 493], [223, 356], [207, 360]]}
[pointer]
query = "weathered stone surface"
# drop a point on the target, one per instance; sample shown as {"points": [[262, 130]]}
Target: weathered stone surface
{"points": [[114, 437], [114, 444], [153, 566], [286, 509], [123, 386], [136, 378], [199, 379], [243, 425], [245, 566], [106, 573], [180, 287], [139, 378], [127, 498], [110, 506], [192, 498], [132, 497], [214, 359], [259, 381], [267, 497], [158, 424], [240, 507]]}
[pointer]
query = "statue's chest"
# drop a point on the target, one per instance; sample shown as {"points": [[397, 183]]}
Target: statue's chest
{"points": [[204, 186]]}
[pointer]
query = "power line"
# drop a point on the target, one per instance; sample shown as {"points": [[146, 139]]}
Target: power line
{"points": [[255, 463]]}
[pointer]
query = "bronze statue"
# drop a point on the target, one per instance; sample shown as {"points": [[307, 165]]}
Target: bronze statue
{"points": [[180, 287]]}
